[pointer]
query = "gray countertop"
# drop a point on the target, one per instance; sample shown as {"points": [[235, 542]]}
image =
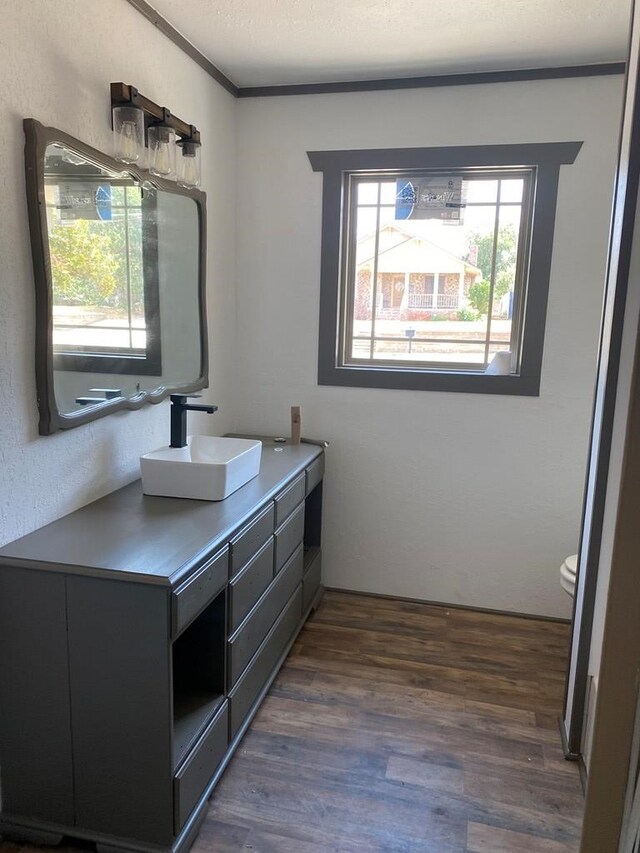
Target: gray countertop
{"points": [[153, 539]]}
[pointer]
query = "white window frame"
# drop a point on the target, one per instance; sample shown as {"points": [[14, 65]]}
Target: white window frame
{"points": [[349, 273]]}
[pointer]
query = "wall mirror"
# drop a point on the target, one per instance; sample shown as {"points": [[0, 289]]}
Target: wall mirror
{"points": [[119, 265]]}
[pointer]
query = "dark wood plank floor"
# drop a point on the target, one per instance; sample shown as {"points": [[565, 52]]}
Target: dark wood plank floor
{"points": [[402, 728], [399, 727]]}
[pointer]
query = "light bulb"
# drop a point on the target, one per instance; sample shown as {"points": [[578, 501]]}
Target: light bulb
{"points": [[162, 159], [189, 172], [128, 133], [189, 167], [162, 151], [128, 142]]}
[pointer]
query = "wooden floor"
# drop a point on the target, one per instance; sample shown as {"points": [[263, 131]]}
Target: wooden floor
{"points": [[404, 728]]}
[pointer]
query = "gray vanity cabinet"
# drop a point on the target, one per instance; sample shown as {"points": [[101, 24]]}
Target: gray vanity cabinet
{"points": [[138, 637]]}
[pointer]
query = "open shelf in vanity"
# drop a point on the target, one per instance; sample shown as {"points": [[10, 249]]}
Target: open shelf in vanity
{"points": [[197, 667], [153, 627]]}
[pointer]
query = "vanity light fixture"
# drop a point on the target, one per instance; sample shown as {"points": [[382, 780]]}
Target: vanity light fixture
{"points": [[137, 122]]}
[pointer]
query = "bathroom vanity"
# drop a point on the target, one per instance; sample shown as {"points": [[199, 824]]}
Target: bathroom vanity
{"points": [[138, 637]]}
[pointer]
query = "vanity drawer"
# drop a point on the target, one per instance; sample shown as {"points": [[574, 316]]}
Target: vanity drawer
{"points": [[247, 586], [289, 499], [197, 591], [198, 768], [243, 645], [314, 474], [244, 693], [288, 537], [251, 537], [311, 581]]}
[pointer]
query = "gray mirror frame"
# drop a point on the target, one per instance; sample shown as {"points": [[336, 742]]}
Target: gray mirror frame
{"points": [[37, 138]]}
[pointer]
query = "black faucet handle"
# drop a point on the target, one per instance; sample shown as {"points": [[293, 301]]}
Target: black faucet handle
{"points": [[178, 411], [182, 398]]}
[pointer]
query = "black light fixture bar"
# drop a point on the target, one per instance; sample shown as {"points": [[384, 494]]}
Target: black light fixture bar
{"points": [[123, 94]]}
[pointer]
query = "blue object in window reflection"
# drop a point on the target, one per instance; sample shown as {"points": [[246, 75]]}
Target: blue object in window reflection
{"points": [[103, 202], [405, 199]]}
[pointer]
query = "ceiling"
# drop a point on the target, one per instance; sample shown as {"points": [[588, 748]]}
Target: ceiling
{"points": [[273, 42]]}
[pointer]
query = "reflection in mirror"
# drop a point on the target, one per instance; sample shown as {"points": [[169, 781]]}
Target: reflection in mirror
{"points": [[123, 276]]}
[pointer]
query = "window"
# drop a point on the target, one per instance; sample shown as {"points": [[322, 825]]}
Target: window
{"points": [[435, 266], [103, 258]]}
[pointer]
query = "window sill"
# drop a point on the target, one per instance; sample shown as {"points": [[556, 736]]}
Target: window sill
{"points": [[425, 380], [112, 363]]}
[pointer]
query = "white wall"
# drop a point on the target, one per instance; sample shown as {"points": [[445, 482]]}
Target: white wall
{"points": [[458, 498], [56, 62]]}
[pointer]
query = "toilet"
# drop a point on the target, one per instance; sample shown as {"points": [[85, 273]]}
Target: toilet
{"points": [[568, 574]]}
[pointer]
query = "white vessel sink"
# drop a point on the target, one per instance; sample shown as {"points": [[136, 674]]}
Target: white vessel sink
{"points": [[209, 468]]}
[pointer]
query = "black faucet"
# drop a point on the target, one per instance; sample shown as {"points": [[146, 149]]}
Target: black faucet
{"points": [[179, 409]]}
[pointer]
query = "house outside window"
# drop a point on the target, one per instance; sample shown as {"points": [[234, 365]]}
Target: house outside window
{"points": [[435, 266], [407, 294]]}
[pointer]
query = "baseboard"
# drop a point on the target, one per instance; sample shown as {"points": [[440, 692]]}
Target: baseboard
{"points": [[448, 606], [569, 756]]}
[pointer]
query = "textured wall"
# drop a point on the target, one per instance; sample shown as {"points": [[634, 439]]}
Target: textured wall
{"points": [[459, 498], [56, 62], [452, 497]]}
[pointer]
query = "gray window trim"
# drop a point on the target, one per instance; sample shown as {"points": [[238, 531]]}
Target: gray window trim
{"points": [[335, 165]]}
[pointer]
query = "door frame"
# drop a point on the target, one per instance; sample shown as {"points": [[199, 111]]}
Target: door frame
{"points": [[617, 700], [612, 498], [606, 403]]}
